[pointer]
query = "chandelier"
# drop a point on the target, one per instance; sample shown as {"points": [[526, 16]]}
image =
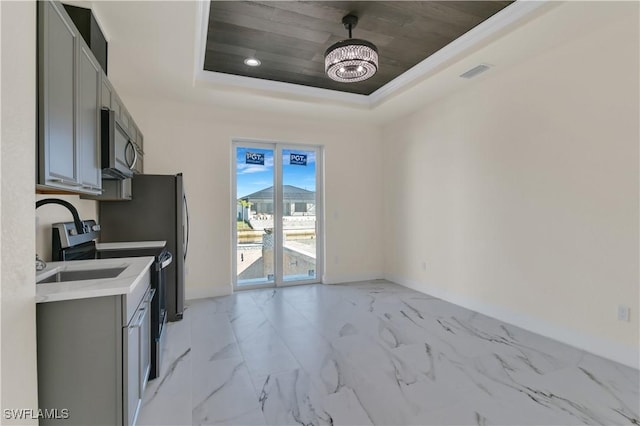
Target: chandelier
{"points": [[353, 59]]}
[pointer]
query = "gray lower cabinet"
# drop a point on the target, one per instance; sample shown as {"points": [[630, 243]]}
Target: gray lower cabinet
{"points": [[68, 105], [94, 358]]}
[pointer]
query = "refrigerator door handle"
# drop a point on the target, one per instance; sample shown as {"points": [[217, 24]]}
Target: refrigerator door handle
{"points": [[186, 237]]}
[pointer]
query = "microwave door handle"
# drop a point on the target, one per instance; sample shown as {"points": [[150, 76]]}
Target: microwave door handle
{"points": [[135, 155], [126, 151]]}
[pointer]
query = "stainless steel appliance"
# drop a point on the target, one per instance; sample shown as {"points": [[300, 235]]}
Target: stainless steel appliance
{"points": [[68, 245], [163, 258], [158, 211], [119, 153]]}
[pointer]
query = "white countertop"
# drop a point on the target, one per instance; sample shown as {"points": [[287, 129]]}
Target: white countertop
{"points": [[124, 283], [130, 245]]}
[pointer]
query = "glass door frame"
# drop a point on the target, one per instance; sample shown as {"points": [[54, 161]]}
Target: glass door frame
{"points": [[278, 148]]}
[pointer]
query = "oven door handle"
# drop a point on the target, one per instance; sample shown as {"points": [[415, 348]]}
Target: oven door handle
{"points": [[166, 260]]}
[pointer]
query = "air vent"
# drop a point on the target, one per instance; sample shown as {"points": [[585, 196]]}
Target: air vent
{"points": [[475, 71]]}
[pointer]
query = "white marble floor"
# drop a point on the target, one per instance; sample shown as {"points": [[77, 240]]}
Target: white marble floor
{"points": [[374, 353]]}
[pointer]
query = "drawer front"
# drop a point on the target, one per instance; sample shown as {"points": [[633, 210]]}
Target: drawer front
{"points": [[136, 297]]}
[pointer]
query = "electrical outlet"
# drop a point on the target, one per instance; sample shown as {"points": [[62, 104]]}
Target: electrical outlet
{"points": [[424, 265], [623, 313]]}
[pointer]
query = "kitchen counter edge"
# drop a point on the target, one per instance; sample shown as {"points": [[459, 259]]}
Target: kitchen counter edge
{"points": [[125, 283]]}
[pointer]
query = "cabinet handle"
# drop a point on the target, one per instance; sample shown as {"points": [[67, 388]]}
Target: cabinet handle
{"points": [[140, 318], [60, 180], [93, 188]]}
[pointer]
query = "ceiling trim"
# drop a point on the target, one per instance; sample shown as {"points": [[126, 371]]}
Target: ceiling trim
{"points": [[510, 15], [202, 17], [203, 77]]}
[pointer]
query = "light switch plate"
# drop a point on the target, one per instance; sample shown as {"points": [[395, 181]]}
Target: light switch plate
{"points": [[623, 313]]}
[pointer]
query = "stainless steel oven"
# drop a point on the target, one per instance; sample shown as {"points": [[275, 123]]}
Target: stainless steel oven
{"points": [[68, 245], [163, 258]]}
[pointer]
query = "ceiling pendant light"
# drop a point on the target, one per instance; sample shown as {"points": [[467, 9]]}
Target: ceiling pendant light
{"points": [[353, 59]]}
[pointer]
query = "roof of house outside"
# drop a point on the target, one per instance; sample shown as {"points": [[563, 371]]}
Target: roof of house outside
{"points": [[290, 193]]}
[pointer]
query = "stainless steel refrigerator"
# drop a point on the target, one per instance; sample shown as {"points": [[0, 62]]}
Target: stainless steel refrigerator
{"points": [[157, 211]]}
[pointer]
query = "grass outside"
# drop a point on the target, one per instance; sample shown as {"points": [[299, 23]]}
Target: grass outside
{"points": [[243, 226]]}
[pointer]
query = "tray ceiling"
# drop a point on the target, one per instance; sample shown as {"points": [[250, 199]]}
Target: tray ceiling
{"points": [[290, 37]]}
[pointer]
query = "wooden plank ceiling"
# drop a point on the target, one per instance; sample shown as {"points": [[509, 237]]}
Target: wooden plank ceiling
{"points": [[290, 37]]}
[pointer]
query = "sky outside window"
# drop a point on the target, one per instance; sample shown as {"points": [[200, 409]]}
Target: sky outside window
{"points": [[254, 177]]}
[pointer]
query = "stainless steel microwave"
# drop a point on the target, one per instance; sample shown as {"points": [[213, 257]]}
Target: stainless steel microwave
{"points": [[119, 153]]}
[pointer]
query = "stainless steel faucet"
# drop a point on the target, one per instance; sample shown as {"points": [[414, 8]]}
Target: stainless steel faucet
{"points": [[69, 206]]}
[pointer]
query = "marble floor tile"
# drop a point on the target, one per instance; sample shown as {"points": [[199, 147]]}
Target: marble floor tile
{"points": [[374, 353], [167, 399], [221, 391], [291, 398]]}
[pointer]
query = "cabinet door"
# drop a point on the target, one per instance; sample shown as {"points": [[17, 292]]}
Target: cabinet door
{"points": [[141, 141], [116, 104], [107, 92], [58, 39], [126, 192], [88, 108], [145, 344], [132, 396], [112, 190], [125, 118]]}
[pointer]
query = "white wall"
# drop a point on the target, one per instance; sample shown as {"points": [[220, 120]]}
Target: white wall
{"points": [[17, 273], [53, 213], [197, 140], [521, 192]]}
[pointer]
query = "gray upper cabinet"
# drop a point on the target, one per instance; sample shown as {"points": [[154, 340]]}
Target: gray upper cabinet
{"points": [[68, 105], [58, 41], [113, 190], [72, 91], [116, 104], [107, 92], [89, 88]]}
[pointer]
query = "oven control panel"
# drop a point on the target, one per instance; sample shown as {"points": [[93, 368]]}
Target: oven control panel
{"points": [[68, 236]]}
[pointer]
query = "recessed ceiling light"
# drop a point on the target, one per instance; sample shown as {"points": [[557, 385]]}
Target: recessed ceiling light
{"points": [[252, 62]]}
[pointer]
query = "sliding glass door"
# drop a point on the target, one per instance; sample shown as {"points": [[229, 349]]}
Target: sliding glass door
{"points": [[277, 215]]}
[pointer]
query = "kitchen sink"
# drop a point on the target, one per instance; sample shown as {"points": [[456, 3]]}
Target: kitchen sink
{"points": [[81, 275]]}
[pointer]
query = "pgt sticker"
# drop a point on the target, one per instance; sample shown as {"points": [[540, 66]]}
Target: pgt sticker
{"points": [[298, 159], [254, 158]]}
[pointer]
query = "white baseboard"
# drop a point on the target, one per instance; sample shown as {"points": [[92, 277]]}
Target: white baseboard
{"points": [[614, 351], [206, 292], [351, 278]]}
